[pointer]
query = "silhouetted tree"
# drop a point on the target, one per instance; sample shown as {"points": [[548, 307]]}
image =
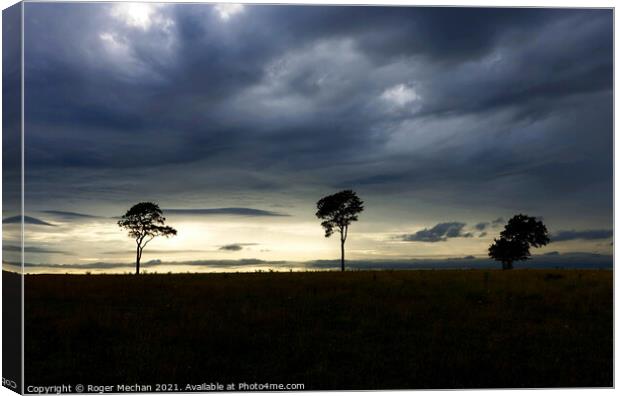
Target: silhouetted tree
{"points": [[519, 235], [338, 211], [507, 251], [145, 221]]}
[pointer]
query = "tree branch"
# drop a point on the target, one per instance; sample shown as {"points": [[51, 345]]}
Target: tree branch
{"points": [[145, 243]]}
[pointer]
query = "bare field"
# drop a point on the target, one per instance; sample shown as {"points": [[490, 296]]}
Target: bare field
{"points": [[326, 330]]}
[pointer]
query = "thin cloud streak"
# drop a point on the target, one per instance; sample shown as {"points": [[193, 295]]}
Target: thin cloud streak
{"points": [[570, 235], [69, 215], [249, 212], [27, 220]]}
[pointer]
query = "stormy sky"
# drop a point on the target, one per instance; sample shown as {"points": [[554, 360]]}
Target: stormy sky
{"points": [[238, 118]]}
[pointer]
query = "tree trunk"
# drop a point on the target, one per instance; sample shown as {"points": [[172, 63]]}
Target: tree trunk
{"points": [[138, 260], [507, 265], [341, 254]]}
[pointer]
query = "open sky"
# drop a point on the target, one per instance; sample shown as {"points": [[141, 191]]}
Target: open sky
{"points": [[236, 119]]}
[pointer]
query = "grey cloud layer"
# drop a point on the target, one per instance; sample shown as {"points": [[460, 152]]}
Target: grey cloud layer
{"points": [[69, 215], [235, 247], [443, 231], [27, 220], [32, 249], [439, 233], [570, 235], [476, 107]]}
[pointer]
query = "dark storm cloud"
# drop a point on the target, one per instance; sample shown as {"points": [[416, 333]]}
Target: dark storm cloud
{"points": [[589, 235], [471, 106], [250, 212], [439, 233], [27, 220]]}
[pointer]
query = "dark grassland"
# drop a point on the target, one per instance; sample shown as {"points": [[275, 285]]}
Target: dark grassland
{"points": [[329, 330]]}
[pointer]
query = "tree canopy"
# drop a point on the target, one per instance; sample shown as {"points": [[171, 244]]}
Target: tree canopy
{"points": [[145, 221], [520, 233], [338, 211]]}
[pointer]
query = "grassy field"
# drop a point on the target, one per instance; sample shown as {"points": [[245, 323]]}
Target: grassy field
{"points": [[328, 330]]}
